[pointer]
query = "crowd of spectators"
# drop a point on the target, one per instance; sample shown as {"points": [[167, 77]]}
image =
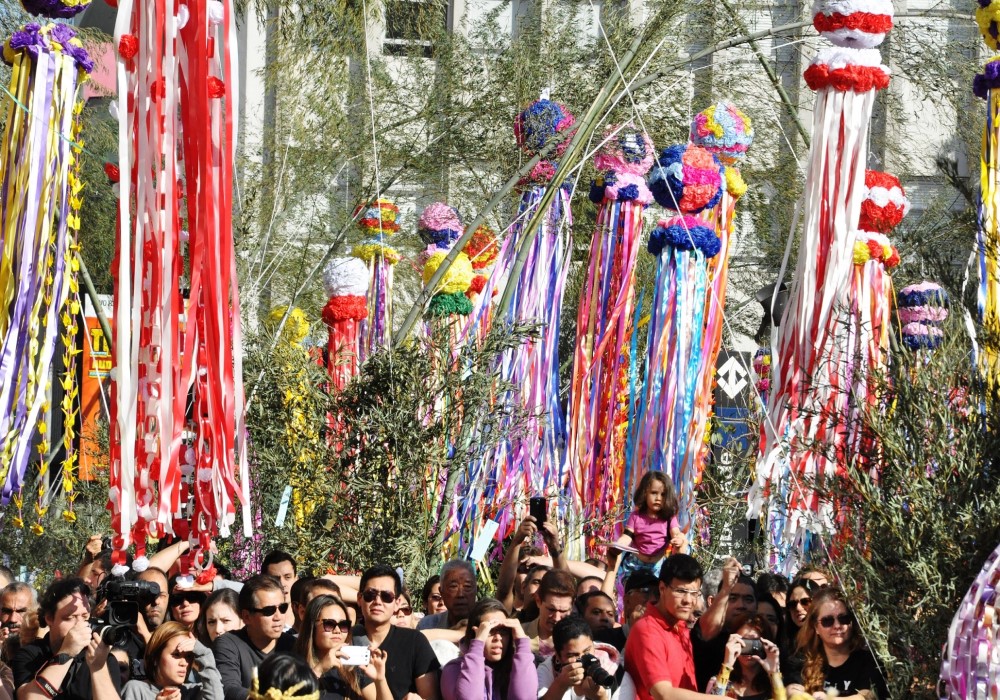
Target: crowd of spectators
{"points": [[556, 629]]}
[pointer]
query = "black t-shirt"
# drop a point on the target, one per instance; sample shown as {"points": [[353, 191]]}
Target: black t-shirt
{"points": [[859, 672], [333, 687], [614, 636], [30, 659], [708, 655], [409, 656]]}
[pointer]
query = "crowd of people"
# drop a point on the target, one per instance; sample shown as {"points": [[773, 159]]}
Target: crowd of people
{"points": [[557, 630]]}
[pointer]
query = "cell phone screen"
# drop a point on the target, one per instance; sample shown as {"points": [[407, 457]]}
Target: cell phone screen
{"points": [[538, 509]]}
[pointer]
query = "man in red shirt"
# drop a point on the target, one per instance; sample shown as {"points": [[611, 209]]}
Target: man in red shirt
{"points": [[658, 653]]}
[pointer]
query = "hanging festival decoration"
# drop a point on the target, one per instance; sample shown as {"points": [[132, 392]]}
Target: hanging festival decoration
{"points": [[688, 179], [855, 24], [805, 408], [923, 309], [599, 393], [55, 9], [969, 668], [530, 462], [869, 317], [987, 86], [379, 222], [346, 284], [39, 255], [178, 454]]}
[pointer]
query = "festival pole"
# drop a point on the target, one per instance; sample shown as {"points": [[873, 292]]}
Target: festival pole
{"points": [[379, 221]]}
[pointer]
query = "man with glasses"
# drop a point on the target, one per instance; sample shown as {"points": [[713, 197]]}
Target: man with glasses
{"points": [[736, 598], [263, 609], [411, 668], [658, 653], [458, 589]]}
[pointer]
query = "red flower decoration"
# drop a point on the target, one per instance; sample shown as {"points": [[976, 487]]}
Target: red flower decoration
{"points": [[881, 218], [875, 250], [128, 47], [345, 308], [853, 78], [112, 171], [158, 90], [893, 259], [216, 88], [478, 284]]}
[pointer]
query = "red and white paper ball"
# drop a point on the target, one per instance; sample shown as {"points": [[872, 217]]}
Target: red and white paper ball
{"points": [[884, 204], [847, 70], [855, 24]]}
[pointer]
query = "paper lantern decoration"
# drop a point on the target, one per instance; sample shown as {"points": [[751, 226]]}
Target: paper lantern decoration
{"points": [[684, 233], [855, 70], [988, 19], [687, 179], [855, 24], [724, 130], [623, 162], [923, 309], [458, 277]]}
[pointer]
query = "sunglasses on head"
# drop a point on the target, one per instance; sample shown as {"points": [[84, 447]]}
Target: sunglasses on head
{"points": [[371, 594], [841, 619], [269, 610], [334, 625], [186, 597]]}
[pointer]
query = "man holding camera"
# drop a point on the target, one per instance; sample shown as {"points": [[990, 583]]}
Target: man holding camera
{"points": [[70, 662], [579, 670]]}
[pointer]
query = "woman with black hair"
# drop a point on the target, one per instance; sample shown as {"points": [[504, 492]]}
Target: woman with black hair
{"points": [[283, 676], [496, 661]]}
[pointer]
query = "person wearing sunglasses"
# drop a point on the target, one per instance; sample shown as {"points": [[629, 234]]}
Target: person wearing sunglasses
{"points": [[431, 597], [326, 630], [413, 669], [171, 653], [834, 656], [185, 604], [404, 612], [237, 653], [800, 595]]}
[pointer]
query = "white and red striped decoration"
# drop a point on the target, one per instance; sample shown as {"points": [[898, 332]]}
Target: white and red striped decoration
{"points": [[178, 359], [856, 24], [885, 203]]}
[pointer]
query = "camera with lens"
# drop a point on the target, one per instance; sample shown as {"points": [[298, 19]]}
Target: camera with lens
{"points": [[593, 670], [753, 647], [124, 601]]}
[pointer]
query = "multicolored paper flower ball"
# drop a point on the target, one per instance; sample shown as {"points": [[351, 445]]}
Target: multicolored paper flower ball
{"points": [[629, 151], [988, 19], [457, 278], [762, 368], [345, 277], [56, 9], [687, 179], [541, 123], [854, 70], [874, 246], [440, 225], [377, 248], [723, 130], [684, 233], [922, 309], [884, 204], [483, 248], [378, 217], [51, 38], [855, 24]]}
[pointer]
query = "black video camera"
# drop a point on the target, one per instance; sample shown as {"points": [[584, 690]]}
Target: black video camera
{"points": [[593, 670], [124, 601]]}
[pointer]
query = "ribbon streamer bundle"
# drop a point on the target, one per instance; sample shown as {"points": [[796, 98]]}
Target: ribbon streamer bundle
{"points": [[531, 461], [378, 221], [987, 86], [176, 381], [599, 394], [39, 223], [689, 180], [805, 405], [346, 281], [869, 321]]}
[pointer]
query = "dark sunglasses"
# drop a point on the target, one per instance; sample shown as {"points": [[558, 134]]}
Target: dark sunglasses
{"points": [[187, 597], [371, 594], [842, 618], [269, 610], [804, 602], [405, 611], [333, 625]]}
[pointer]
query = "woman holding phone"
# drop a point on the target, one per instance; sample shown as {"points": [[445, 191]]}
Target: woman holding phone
{"points": [[345, 672], [750, 666]]}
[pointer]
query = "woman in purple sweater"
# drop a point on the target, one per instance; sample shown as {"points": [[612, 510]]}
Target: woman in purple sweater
{"points": [[496, 661]]}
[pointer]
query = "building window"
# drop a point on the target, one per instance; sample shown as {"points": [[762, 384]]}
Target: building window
{"points": [[412, 25]]}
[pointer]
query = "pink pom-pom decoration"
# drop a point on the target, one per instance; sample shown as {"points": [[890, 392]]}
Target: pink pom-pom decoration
{"points": [[854, 24], [628, 152], [724, 130], [884, 204], [440, 225], [687, 179]]}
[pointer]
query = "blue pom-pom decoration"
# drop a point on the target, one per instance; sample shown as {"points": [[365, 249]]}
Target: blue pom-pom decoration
{"points": [[443, 238], [686, 178], [922, 297], [684, 233]]}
